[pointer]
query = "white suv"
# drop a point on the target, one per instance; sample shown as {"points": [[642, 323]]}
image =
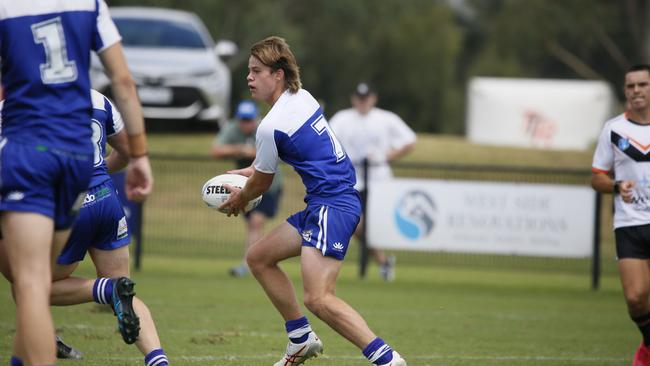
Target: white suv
{"points": [[175, 64]]}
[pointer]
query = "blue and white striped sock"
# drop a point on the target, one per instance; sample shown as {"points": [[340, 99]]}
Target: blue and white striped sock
{"points": [[378, 352], [298, 330], [15, 361], [103, 290], [156, 357]]}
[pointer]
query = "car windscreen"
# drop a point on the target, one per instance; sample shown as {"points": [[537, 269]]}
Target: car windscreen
{"points": [[158, 33]]}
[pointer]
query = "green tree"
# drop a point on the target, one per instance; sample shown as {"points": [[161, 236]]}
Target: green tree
{"points": [[584, 39], [408, 49]]}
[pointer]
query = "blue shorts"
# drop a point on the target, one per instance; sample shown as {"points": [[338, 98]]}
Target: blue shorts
{"points": [[325, 228], [101, 224], [268, 205], [43, 180]]}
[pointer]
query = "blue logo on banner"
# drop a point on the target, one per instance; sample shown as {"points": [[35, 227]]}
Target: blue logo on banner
{"points": [[414, 214], [623, 144]]}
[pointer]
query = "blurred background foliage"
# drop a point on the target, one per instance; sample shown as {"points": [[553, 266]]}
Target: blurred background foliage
{"points": [[420, 54]]}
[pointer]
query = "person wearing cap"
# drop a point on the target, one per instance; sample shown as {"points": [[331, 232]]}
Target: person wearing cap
{"points": [[237, 141], [381, 136]]}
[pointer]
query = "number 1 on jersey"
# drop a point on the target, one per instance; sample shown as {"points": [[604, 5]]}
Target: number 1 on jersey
{"points": [[320, 126], [57, 67]]}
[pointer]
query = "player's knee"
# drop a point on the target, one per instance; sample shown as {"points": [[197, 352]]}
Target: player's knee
{"points": [[637, 301], [316, 303], [255, 260], [31, 286]]}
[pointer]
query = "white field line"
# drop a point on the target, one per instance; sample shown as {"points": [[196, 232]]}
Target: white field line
{"points": [[585, 360]]}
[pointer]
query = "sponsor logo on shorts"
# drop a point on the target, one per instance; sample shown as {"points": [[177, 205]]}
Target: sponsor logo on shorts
{"points": [[104, 192], [338, 246], [15, 196], [306, 235], [122, 228], [89, 198]]}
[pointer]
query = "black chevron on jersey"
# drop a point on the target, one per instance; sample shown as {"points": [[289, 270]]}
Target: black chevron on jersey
{"points": [[630, 150]]}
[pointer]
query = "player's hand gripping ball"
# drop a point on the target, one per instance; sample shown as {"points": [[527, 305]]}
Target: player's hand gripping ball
{"points": [[214, 193]]}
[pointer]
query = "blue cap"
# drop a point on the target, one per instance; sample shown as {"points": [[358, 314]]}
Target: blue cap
{"points": [[246, 110]]}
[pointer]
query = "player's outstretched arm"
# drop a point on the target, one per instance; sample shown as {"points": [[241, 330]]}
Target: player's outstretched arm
{"points": [[139, 177], [123, 87]]}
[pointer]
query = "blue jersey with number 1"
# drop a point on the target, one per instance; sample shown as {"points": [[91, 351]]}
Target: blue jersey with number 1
{"points": [[45, 50]]}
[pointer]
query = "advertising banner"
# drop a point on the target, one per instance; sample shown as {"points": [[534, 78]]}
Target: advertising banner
{"points": [[481, 217], [538, 113]]}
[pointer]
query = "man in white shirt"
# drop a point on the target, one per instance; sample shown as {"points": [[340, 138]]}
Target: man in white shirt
{"points": [[381, 136], [620, 167]]}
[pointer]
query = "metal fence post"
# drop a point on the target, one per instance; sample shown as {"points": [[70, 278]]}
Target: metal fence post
{"points": [[138, 238], [595, 260], [363, 257]]}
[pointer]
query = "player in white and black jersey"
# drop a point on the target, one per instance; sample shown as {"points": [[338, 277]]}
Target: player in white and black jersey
{"points": [[621, 166], [296, 131]]}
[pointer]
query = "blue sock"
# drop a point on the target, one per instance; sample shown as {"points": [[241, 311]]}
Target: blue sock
{"points": [[298, 330], [156, 357], [15, 361], [378, 352], [103, 291]]}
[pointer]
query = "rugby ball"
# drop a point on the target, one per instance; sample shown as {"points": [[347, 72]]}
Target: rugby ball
{"points": [[214, 193]]}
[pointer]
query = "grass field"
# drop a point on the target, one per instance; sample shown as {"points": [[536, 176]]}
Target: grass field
{"points": [[442, 310], [434, 316]]}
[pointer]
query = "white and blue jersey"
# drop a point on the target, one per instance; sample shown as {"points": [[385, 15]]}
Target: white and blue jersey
{"points": [[106, 121], [101, 222], [296, 131], [45, 50]]}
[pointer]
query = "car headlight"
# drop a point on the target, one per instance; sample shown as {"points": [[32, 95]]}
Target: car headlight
{"points": [[212, 80]]}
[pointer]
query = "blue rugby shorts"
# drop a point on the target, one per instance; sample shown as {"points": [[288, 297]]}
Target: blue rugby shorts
{"points": [[325, 228], [101, 224], [43, 180]]}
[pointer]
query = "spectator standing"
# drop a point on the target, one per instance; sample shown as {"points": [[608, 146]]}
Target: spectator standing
{"points": [[380, 136]]}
